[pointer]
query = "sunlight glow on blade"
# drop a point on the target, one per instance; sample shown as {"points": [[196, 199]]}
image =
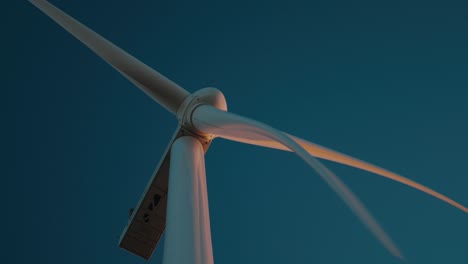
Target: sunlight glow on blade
{"points": [[328, 154], [227, 125]]}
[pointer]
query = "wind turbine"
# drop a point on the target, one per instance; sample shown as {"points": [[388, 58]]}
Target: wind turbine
{"points": [[175, 199]]}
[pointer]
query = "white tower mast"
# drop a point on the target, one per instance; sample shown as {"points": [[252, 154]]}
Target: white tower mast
{"points": [[188, 235]]}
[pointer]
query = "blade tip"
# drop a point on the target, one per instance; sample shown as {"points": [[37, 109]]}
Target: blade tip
{"points": [[398, 254]]}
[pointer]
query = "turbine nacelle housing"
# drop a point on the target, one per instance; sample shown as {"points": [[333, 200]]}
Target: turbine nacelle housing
{"points": [[205, 96]]}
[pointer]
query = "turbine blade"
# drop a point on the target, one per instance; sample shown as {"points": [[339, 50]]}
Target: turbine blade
{"points": [[227, 125], [331, 155], [328, 154], [162, 90]]}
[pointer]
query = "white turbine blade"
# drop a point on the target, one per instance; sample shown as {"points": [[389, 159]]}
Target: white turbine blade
{"points": [[154, 84], [328, 154], [227, 125], [188, 235]]}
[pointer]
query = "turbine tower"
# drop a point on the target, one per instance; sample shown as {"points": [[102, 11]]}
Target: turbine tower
{"points": [[176, 200]]}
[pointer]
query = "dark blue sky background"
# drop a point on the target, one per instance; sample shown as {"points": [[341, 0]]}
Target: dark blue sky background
{"points": [[386, 83]]}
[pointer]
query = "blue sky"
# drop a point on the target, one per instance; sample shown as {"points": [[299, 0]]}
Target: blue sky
{"points": [[383, 82]]}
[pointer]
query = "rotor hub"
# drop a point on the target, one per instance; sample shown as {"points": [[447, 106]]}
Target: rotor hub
{"points": [[206, 96]]}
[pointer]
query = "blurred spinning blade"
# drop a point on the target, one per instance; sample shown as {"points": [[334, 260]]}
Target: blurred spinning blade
{"points": [[208, 119], [254, 138]]}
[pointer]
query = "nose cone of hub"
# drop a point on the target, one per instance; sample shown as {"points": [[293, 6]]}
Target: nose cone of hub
{"points": [[206, 96], [211, 96]]}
